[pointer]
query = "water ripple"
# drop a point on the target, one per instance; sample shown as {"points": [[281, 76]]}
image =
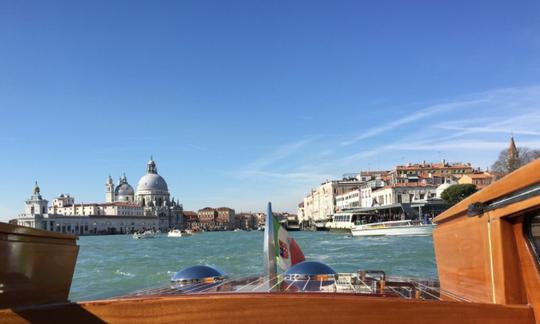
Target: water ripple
{"points": [[109, 266]]}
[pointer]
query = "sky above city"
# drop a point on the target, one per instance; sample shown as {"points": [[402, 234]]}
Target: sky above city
{"points": [[244, 102]]}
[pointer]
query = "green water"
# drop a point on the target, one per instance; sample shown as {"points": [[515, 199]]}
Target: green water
{"points": [[113, 265]]}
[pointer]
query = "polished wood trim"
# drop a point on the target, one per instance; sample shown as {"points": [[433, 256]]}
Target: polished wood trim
{"points": [[28, 231], [36, 266], [517, 180], [273, 308], [530, 269], [477, 258], [508, 281], [462, 251]]}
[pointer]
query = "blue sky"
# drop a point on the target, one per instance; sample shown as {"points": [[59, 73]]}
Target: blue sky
{"points": [[242, 102]]}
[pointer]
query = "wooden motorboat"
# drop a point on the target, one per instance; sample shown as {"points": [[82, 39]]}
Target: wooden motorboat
{"points": [[487, 258]]}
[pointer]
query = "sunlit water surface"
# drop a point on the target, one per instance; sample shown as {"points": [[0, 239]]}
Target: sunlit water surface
{"points": [[113, 265]]}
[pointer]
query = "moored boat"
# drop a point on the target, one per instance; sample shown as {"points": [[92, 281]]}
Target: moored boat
{"points": [[403, 227]]}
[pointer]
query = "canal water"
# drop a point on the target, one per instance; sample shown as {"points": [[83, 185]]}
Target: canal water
{"points": [[109, 266]]}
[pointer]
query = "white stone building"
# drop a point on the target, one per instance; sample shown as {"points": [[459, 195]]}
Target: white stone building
{"points": [[403, 194], [348, 200], [320, 203], [150, 207], [366, 190]]}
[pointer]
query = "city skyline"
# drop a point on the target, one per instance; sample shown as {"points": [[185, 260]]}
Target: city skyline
{"points": [[244, 103]]}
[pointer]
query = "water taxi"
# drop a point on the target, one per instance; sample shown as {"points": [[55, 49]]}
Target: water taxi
{"points": [[144, 235], [174, 233], [401, 227], [487, 250]]}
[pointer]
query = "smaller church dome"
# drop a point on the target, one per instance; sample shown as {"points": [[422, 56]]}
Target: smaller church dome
{"points": [[124, 189]]}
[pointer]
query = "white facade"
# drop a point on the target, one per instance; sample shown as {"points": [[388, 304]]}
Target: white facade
{"points": [[67, 217], [320, 203], [348, 200], [120, 214], [106, 209], [391, 195], [366, 190]]}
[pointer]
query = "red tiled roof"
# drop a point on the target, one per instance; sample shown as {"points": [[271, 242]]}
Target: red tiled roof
{"points": [[434, 166], [480, 175]]}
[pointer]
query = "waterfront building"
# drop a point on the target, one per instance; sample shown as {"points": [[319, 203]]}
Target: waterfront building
{"points": [[207, 216], [124, 210], [320, 203], [403, 193], [351, 199], [81, 219], [245, 220], [301, 215], [479, 179], [225, 217], [366, 190], [191, 219], [404, 184], [432, 173]]}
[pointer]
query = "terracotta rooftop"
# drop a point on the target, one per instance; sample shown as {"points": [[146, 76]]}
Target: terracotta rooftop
{"points": [[408, 185], [433, 166], [121, 203], [480, 175]]}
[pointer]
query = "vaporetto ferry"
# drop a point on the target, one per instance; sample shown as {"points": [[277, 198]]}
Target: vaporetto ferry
{"points": [[342, 222], [401, 227]]}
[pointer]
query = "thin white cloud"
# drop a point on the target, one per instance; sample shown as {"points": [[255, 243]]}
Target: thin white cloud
{"points": [[294, 176], [421, 114], [491, 130], [278, 154]]}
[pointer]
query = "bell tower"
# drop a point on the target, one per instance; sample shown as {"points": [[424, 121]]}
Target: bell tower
{"points": [[513, 156], [36, 205], [109, 190]]}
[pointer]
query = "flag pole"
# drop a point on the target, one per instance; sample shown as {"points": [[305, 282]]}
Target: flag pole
{"points": [[269, 248]]}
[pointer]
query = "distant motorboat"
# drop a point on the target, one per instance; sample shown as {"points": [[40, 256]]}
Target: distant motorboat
{"points": [[236, 230], [179, 233], [144, 235], [402, 227], [174, 233]]}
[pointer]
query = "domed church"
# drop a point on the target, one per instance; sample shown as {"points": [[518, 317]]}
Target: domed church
{"points": [[152, 190], [152, 194]]}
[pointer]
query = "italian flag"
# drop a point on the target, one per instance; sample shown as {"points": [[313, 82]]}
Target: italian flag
{"points": [[288, 253]]}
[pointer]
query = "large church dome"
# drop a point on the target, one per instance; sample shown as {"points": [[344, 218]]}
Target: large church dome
{"points": [[152, 181]]}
